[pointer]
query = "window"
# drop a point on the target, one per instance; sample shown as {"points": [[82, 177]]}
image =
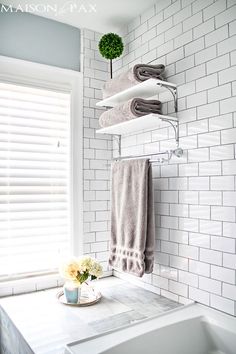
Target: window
{"points": [[35, 179]]}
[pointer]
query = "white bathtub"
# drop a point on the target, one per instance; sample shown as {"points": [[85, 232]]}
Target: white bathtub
{"points": [[193, 329]]}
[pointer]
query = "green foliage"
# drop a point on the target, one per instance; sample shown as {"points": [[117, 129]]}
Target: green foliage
{"points": [[111, 46], [82, 277]]}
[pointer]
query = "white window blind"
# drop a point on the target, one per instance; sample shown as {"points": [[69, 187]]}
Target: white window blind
{"points": [[34, 179]]}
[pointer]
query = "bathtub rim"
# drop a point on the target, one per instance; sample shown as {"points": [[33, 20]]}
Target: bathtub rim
{"points": [[189, 311]]}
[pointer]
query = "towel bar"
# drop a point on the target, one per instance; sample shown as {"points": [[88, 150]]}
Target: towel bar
{"points": [[178, 152]]}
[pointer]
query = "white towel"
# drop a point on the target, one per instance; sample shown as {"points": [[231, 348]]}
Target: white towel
{"points": [[134, 108], [135, 75]]}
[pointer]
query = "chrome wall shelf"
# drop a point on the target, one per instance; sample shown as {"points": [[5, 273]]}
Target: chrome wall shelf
{"points": [[146, 89]]}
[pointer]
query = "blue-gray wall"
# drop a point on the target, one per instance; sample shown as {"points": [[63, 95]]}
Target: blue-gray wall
{"points": [[34, 38]]}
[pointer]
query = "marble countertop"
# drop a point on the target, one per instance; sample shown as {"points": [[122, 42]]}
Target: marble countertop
{"points": [[37, 323]]}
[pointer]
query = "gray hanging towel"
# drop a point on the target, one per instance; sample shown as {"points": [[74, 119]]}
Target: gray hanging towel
{"points": [[132, 217]]}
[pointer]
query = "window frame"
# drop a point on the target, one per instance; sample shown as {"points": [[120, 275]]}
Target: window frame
{"points": [[16, 71]]}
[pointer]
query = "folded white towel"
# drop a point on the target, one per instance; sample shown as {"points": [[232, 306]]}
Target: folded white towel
{"points": [[135, 75], [128, 110]]}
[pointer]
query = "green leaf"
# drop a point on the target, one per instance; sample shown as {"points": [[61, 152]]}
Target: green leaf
{"points": [[82, 277]]}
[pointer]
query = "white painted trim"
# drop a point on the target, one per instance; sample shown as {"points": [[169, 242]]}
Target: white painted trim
{"points": [[77, 163], [35, 283], [41, 75], [44, 76]]}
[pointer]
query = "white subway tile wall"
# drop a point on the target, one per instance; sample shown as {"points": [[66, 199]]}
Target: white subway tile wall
{"points": [[97, 153], [195, 198]]}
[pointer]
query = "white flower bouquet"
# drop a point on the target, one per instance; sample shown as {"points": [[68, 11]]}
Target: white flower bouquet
{"points": [[78, 270]]}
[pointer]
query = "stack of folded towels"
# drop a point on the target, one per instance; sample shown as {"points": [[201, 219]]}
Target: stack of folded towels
{"points": [[135, 107], [128, 110], [138, 73]]}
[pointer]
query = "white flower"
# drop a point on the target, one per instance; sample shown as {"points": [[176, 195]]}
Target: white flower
{"points": [[96, 269], [85, 264], [79, 269], [70, 269]]}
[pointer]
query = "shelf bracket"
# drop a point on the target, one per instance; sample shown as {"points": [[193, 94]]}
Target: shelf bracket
{"points": [[174, 94], [117, 138], [173, 91], [175, 126]]}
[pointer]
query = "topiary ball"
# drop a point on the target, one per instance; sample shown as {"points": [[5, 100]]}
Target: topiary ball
{"points": [[111, 46]]}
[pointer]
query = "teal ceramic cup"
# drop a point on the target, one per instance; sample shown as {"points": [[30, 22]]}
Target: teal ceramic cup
{"points": [[72, 294]]}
